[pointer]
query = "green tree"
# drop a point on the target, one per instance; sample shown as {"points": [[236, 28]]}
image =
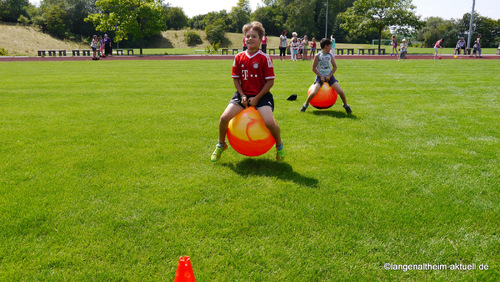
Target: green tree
{"points": [[239, 15], [435, 28], [305, 17], [35, 14], [216, 32], [176, 19], [196, 22], [201, 21], [271, 19], [11, 10], [56, 20], [211, 17], [489, 29], [301, 14], [135, 18], [367, 16], [77, 11]]}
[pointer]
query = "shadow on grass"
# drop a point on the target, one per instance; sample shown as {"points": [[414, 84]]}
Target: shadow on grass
{"points": [[335, 114], [260, 167]]}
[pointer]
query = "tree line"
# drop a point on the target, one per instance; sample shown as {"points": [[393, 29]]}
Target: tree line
{"points": [[138, 22]]}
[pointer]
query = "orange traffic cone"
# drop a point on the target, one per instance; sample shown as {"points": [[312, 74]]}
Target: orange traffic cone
{"points": [[184, 271]]}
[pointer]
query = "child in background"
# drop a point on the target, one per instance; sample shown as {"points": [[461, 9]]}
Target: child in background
{"points": [[305, 44], [394, 46], [301, 49], [294, 46], [436, 46], [313, 48], [474, 49], [324, 67], [93, 45], [402, 50], [253, 77], [101, 46], [478, 40], [332, 39]]}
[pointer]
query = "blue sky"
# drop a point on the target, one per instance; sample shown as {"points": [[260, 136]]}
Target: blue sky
{"points": [[445, 9]]}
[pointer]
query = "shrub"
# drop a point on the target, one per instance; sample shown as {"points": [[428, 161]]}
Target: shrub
{"points": [[212, 49], [192, 38], [3, 52], [38, 20], [23, 20], [216, 32]]}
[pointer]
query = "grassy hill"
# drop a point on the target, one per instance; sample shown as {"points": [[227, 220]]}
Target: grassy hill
{"points": [[22, 40]]}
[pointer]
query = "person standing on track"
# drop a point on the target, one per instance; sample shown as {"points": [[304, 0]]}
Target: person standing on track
{"points": [[283, 45]]}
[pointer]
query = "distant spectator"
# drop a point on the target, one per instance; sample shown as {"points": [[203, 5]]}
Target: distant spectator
{"points": [[461, 44], [264, 43], [107, 45], [244, 44], [101, 46], [283, 45], [394, 46]]}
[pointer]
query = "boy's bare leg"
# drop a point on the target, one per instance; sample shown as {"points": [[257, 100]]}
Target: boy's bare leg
{"points": [[231, 111]]}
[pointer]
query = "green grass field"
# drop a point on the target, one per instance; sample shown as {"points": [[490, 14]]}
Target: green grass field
{"points": [[106, 173]]}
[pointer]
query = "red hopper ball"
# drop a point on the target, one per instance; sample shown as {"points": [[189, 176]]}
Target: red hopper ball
{"points": [[325, 98], [248, 135]]}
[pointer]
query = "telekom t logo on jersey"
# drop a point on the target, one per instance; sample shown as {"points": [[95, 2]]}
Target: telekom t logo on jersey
{"points": [[245, 74]]}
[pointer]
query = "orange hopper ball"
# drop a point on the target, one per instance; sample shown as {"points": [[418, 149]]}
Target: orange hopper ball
{"points": [[325, 98], [248, 134]]}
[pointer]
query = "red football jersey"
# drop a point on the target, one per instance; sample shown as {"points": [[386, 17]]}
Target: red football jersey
{"points": [[253, 71]]}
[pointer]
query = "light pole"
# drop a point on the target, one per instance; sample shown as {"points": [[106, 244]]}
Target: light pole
{"points": [[470, 25], [326, 24]]}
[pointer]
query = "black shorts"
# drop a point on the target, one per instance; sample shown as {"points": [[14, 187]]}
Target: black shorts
{"points": [[266, 100], [331, 81]]}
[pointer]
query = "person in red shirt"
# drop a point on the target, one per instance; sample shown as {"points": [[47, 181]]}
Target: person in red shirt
{"points": [[264, 43], [253, 77], [244, 44], [313, 49], [436, 47]]}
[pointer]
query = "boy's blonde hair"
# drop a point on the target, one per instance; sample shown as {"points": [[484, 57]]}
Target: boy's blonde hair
{"points": [[257, 26]]}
